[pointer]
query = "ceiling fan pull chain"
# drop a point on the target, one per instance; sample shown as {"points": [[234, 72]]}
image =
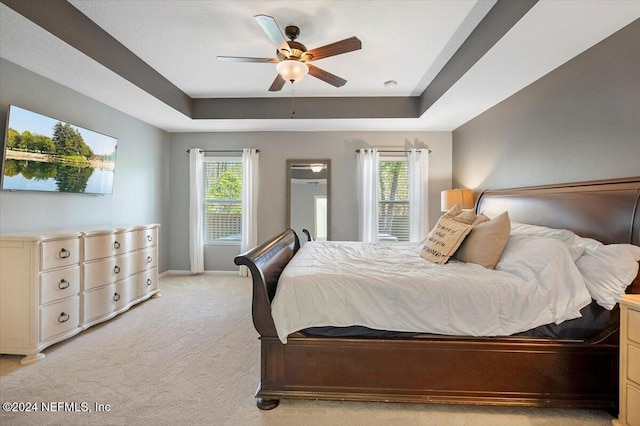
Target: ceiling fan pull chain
{"points": [[293, 100]]}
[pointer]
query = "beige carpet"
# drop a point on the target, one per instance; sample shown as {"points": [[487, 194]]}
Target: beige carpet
{"points": [[191, 357]]}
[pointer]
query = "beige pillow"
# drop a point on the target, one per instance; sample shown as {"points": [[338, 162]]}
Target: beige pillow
{"points": [[444, 239], [481, 218], [486, 242], [466, 217], [453, 211]]}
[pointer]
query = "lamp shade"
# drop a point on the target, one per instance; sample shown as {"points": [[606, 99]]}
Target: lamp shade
{"points": [[292, 70], [451, 197]]}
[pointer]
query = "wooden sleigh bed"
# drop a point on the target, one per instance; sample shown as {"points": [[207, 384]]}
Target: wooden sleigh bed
{"points": [[519, 371]]}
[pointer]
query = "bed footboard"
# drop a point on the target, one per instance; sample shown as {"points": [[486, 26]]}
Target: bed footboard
{"points": [[266, 262]]}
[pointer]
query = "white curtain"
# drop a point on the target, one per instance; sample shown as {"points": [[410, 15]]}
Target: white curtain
{"points": [[196, 223], [418, 194], [367, 171], [249, 239]]}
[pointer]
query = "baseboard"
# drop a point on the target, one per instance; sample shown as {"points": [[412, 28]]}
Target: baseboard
{"points": [[183, 272]]}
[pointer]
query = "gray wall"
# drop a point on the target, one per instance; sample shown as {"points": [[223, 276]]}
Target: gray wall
{"points": [[276, 148], [580, 122], [140, 193]]}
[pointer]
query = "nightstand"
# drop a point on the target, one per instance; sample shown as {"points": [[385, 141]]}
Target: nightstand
{"points": [[629, 361]]}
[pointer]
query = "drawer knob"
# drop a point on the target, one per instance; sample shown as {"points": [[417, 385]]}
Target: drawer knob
{"points": [[116, 297], [64, 317], [63, 284], [116, 269], [116, 245], [149, 238], [149, 259], [64, 253], [149, 281]]}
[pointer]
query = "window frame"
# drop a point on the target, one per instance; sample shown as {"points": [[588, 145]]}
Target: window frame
{"points": [[399, 158], [206, 201]]}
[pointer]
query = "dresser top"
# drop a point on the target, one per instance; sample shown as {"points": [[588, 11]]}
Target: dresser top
{"points": [[57, 234], [632, 300], [41, 235]]}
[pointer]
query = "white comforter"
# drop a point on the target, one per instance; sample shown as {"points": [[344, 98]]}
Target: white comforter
{"points": [[388, 286]]}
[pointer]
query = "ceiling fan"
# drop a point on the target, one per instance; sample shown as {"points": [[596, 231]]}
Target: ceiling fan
{"points": [[293, 59]]}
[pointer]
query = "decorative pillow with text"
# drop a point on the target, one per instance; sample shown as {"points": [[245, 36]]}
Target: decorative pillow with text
{"points": [[444, 239]]}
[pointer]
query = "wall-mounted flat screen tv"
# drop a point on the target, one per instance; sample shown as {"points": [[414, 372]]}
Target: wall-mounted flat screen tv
{"points": [[45, 154]]}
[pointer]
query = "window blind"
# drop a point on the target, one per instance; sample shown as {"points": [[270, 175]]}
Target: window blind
{"points": [[393, 200], [222, 200]]}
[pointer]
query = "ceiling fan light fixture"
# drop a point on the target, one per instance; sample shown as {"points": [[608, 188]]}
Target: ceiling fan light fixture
{"points": [[316, 168], [292, 70]]}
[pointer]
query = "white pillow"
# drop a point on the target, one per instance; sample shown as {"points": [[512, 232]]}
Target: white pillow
{"points": [[587, 243], [547, 262], [608, 270], [564, 235]]}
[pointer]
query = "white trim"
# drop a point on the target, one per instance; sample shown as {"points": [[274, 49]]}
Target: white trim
{"points": [[186, 272], [223, 243]]}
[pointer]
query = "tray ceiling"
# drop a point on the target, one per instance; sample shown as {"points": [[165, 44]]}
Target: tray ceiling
{"points": [[410, 42]]}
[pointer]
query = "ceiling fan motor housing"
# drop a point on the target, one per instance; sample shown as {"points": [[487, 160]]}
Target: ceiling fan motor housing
{"points": [[292, 32], [294, 51]]}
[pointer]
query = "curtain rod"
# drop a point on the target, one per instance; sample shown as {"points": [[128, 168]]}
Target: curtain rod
{"points": [[391, 150], [220, 150]]}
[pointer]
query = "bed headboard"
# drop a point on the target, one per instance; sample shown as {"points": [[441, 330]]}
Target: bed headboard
{"points": [[607, 210]]}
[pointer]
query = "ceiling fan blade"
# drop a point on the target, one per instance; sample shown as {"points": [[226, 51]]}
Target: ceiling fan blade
{"points": [[337, 48], [277, 84], [325, 76], [245, 59], [270, 27]]}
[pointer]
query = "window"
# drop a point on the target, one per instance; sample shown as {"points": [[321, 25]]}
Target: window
{"points": [[222, 200], [393, 199]]}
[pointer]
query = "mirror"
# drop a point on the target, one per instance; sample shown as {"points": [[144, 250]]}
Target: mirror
{"points": [[308, 201]]}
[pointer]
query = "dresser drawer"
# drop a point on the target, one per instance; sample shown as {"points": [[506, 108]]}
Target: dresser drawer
{"points": [[99, 302], [633, 363], [147, 258], [101, 246], [58, 253], [59, 317], [147, 282], [147, 237], [59, 284], [101, 272], [126, 292], [633, 329], [633, 406], [108, 299]]}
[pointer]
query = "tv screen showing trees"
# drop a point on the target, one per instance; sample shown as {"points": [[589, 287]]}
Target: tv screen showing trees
{"points": [[45, 154]]}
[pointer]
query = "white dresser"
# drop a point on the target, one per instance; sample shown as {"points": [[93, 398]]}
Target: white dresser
{"points": [[629, 414], [55, 284]]}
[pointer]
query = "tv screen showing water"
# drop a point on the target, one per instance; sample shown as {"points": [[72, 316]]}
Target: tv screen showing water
{"points": [[45, 154]]}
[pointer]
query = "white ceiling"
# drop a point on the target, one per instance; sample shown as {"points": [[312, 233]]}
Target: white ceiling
{"points": [[406, 41]]}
